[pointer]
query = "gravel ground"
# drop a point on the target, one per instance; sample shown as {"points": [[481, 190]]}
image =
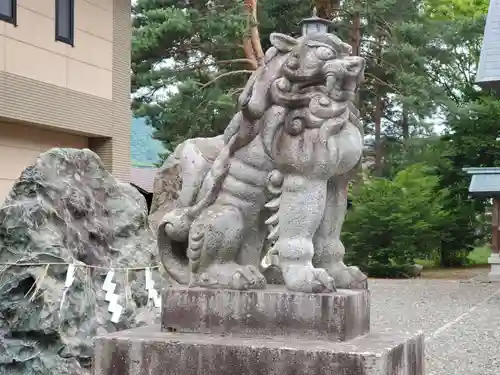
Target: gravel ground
{"points": [[461, 321]]}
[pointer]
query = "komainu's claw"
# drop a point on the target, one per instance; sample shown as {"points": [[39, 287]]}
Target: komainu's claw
{"points": [[348, 277], [306, 278], [231, 276], [327, 282]]}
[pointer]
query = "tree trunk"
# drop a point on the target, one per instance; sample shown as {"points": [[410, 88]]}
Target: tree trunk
{"points": [[355, 32], [405, 126], [327, 9], [251, 43], [379, 109], [377, 119], [249, 54], [355, 42]]}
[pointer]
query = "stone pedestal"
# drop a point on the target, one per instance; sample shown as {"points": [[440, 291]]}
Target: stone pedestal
{"points": [[263, 332], [270, 312], [149, 351], [494, 261]]}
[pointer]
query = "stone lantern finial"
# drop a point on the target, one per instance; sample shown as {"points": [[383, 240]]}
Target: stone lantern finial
{"points": [[315, 24]]}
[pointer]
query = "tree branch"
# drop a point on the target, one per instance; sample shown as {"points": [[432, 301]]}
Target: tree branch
{"points": [[251, 43], [249, 53], [214, 63], [243, 71], [383, 83], [254, 32]]}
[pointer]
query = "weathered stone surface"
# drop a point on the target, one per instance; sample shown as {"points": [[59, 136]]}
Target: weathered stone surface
{"points": [[276, 179], [274, 311], [273, 275], [66, 208], [148, 351], [416, 270], [187, 165], [494, 261]]}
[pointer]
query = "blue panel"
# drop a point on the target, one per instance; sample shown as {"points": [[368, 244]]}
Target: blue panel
{"points": [[482, 170], [485, 183]]}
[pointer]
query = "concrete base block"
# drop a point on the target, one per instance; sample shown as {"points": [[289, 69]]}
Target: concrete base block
{"points": [[494, 261], [149, 351], [273, 311]]}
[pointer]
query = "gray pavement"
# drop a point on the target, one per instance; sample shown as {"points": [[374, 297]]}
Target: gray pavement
{"points": [[461, 321]]}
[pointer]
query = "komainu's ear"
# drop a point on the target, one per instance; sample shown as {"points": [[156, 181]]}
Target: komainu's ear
{"points": [[354, 65], [282, 42]]}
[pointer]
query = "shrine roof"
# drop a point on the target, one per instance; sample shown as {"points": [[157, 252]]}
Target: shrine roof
{"points": [[488, 73], [485, 182]]}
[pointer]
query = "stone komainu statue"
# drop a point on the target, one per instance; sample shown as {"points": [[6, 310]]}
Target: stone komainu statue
{"points": [[276, 179]]}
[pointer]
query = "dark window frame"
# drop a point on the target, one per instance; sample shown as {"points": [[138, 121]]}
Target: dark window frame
{"points": [[11, 19], [71, 39]]}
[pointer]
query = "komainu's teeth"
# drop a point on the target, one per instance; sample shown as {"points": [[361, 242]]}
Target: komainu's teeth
{"points": [[274, 203], [273, 219], [274, 190], [273, 251], [274, 233], [195, 245], [197, 236]]}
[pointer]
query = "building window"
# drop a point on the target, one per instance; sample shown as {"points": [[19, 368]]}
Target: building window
{"points": [[65, 21], [8, 11]]}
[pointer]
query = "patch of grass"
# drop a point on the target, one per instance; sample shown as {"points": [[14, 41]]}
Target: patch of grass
{"points": [[464, 273], [428, 263], [479, 255]]}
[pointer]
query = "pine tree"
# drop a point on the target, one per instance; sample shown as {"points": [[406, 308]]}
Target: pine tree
{"points": [[471, 119], [398, 94], [198, 56]]}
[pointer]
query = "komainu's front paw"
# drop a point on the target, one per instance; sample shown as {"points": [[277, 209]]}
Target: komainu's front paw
{"points": [[306, 278], [230, 276], [348, 277]]}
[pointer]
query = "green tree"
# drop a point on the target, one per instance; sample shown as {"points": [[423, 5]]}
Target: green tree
{"points": [[394, 222], [186, 60], [436, 50], [208, 63], [456, 9], [470, 118], [398, 94], [195, 54], [417, 149], [472, 140], [458, 26]]}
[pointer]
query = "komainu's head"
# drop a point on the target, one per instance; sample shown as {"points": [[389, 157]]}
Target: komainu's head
{"points": [[295, 70], [316, 62]]}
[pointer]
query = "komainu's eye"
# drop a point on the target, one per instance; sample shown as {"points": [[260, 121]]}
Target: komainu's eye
{"points": [[325, 53]]}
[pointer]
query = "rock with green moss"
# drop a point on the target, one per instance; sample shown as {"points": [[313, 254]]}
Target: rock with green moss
{"points": [[66, 208]]}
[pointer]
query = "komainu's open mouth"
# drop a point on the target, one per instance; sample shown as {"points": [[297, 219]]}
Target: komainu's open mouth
{"points": [[326, 84], [313, 84]]}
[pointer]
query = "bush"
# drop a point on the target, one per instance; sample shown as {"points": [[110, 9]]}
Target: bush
{"points": [[392, 271], [394, 222]]}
